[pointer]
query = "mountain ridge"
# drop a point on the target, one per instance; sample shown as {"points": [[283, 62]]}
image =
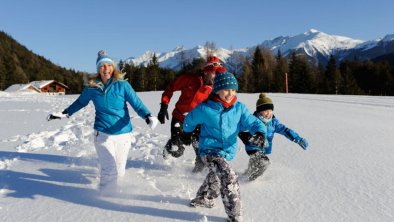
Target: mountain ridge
{"points": [[313, 43]]}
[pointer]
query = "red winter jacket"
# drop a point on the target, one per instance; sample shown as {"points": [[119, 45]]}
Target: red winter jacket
{"points": [[193, 92]]}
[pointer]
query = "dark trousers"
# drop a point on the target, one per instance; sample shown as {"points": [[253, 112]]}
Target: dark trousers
{"points": [[221, 178]]}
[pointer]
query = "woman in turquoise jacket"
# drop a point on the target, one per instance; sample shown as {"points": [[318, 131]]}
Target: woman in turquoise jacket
{"points": [[259, 160], [221, 118], [109, 94]]}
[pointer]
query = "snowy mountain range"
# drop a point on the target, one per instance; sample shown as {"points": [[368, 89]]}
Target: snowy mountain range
{"points": [[313, 43]]}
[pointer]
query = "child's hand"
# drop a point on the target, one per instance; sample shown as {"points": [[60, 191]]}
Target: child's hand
{"points": [[186, 138], [303, 143], [244, 136], [258, 139]]}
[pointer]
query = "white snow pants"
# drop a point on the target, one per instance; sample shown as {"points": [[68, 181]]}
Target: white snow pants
{"points": [[112, 151]]}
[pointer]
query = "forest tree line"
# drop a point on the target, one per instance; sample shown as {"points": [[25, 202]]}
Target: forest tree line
{"points": [[265, 72], [262, 71]]}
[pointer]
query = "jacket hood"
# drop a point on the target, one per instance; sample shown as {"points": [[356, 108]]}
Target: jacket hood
{"points": [[94, 81]]}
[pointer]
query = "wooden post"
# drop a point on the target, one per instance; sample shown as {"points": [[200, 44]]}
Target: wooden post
{"points": [[287, 84]]}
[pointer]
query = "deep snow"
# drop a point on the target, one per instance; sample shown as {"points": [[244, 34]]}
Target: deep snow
{"points": [[48, 170]]}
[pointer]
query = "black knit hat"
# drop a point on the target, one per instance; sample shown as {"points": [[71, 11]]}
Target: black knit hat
{"points": [[264, 103]]}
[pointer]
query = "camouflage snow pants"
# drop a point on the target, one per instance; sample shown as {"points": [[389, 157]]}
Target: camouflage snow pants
{"points": [[221, 178]]}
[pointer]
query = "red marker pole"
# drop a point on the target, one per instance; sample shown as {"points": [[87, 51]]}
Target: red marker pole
{"points": [[287, 84]]}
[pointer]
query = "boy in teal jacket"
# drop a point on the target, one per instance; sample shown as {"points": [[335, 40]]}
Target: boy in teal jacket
{"points": [[221, 118]]}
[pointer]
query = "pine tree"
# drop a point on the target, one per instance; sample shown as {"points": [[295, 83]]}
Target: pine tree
{"points": [[142, 78], [153, 73], [16, 75], [279, 84], [194, 67], [321, 82], [257, 71], [130, 75], [300, 76], [356, 68], [333, 76], [365, 76], [245, 83], [348, 85], [385, 78], [268, 67], [168, 75]]}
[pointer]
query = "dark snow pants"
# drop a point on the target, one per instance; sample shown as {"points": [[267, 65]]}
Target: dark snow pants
{"points": [[221, 178]]}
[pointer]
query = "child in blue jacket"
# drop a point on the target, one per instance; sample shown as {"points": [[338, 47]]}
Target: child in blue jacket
{"points": [[221, 118], [259, 161]]}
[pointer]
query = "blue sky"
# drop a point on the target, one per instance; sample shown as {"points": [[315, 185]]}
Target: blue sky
{"points": [[71, 32]]}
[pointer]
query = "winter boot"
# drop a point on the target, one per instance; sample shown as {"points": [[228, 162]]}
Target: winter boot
{"points": [[201, 201], [247, 171], [166, 149], [258, 164], [198, 164]]}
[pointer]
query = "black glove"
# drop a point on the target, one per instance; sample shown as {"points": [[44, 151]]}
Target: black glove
{"points": [[163, 113], [258, 139], [53, 116], [244, 136], [186, 138]]}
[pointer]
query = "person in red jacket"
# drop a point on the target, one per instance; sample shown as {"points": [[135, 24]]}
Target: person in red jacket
{"points": [[195, 88]]}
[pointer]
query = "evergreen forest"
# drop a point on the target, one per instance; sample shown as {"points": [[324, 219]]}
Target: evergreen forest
{"points": [[261, 72]]}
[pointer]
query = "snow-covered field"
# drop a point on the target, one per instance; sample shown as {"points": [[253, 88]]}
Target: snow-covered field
{"points": [[48, 170]]}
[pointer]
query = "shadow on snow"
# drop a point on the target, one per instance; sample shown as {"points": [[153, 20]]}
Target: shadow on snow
{"points": [[28, 185]]}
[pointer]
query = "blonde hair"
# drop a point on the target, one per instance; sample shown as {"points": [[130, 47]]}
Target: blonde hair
{"points": [[91, 80]]}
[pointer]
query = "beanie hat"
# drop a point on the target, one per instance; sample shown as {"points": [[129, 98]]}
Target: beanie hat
{"points": [[264, 103], [212, 59], [224, 80], [103, 58], [221, 69], [212, 64]]}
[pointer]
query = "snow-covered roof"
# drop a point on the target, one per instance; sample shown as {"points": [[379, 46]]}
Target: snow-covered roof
{"points": [[42, 83], [20, 87], [32, 86]]}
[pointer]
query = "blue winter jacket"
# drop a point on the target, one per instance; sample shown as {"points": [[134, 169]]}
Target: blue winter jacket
{"points": [[274, 126], [112, 116], [220, 126]]}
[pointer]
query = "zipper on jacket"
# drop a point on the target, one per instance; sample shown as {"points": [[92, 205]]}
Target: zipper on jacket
{"points": [[221, 126], [105, 91]]}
